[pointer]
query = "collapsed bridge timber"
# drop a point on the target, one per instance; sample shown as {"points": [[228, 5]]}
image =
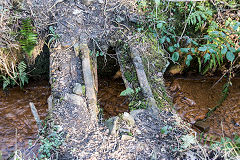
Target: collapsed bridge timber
{"points": [[86, 28]]}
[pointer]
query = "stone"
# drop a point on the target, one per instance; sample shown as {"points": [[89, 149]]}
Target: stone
{"points": [[101, 1], [73, 98], [88, 2], [77, 89], [124, 130], [126, 137], [138, 131], [112, 124], [50, 105], [203, 126], [127, 117], [134, 113]]}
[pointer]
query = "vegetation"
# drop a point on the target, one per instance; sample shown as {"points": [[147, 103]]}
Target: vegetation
{"points": [[201, 37], [193, 32]]}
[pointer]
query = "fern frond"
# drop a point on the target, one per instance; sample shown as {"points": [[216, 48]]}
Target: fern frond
{"points": [[22, 67], [29, 38], [199, 16]]}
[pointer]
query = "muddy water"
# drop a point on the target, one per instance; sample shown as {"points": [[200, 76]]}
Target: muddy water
{"points": [[109, 97], [15, 115], [194, 97]]}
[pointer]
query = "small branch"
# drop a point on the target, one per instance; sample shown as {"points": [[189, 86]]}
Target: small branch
{"points": [[185, 26]]}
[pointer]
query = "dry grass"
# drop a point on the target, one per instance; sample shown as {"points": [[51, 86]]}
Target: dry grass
{"points": [[9, 46], [11, 13]]}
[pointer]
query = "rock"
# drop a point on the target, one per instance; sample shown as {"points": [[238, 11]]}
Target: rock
{"points": [[134, 18], [176, 69], [126, 137], [203, 126], [88, 2], [124, 130], [138, 131], [112, 124], [134, 113], [77, 89], [127, 117], [73, 98], [50, 103]]}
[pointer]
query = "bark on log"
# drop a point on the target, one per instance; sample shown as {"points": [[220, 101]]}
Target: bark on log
{"points": [[89, 81], [142, 78]]}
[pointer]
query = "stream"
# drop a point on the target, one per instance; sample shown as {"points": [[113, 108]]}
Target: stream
{"points": [[16, 116], [192, 99]]}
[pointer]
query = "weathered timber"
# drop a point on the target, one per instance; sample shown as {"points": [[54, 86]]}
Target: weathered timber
{"points": [[89, 81], [127, 84], [142, 78]]}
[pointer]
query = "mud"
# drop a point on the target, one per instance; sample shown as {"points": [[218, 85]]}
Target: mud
{"points": [[16, 116], [194, 97], [109, 97]]}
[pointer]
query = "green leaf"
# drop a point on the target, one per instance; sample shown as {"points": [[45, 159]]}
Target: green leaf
{"points": [[199, 64], [236, 27], [176, 45], [157, 2], [203, 48], [193, 50], [185, 50], [162, 40], [212, 51], [214, 60], [188, 60], [168, 39], [206, 57], [171, 48], [232, 49], [127, 92], [224, 50], [230, 56], [194, 42], [159, 25], [175, 56], [218, 59]]}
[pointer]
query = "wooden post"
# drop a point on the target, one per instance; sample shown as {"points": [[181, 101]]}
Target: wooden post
{"points": [[89, 80], [36, 116], [142, 78]]}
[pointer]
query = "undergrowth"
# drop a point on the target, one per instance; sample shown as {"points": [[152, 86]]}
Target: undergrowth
{"points": [[203, 37]]}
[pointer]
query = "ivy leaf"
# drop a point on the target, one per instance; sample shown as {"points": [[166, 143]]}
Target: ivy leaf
{"points": [[203, 48], [188, 60], [171, 48], [185, 50], [206, 57], [175, 56], [230, 56]]}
